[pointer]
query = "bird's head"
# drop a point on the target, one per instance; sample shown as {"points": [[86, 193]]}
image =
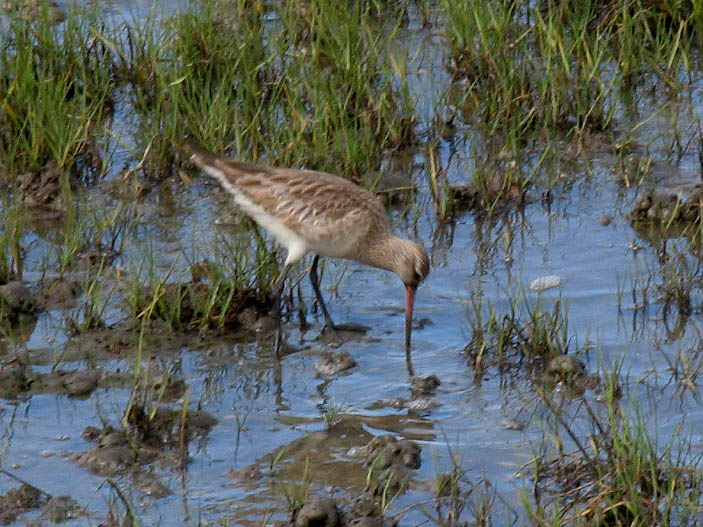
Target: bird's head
{"points": [[412, 263]]}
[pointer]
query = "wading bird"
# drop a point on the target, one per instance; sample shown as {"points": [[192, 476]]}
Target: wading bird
{"points": [[319, 213]]}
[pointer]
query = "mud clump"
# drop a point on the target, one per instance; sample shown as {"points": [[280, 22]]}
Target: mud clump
{"points": [[424, 386], [112, 455], [325, 512], [17, 501], [421, 389], [682, 203], [334, 363], [320, 512], [167, 428], [501, 187], [565, 367], [17, 378], [384, 451], [57, 293], [71, 383], [14, 379], [40, 190], [159, 437], [570, 372], [223, 309], [16, 298], [390, 460], [368, 512], [60, 509]]}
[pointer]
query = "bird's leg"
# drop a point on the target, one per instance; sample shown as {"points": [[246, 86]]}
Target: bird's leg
{"points": [[329, 325], [278, 292], [316, 287]]}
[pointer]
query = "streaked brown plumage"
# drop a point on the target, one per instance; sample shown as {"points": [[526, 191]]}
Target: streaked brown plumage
{"points": [[309, 211]]}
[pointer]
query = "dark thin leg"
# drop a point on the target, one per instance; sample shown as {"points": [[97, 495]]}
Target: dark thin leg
{"points": [[316, 286], [278, 292], [409, 363]]}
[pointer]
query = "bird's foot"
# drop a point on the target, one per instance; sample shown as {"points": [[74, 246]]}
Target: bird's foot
{"points": [[281, 346], [284, 348], [350, 327], [338, 333]]}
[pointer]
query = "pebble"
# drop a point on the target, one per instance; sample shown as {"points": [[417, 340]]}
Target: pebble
{"points": [[545, 282]]}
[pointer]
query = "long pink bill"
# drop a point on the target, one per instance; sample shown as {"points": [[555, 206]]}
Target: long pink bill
{"points": [[409, 303]]}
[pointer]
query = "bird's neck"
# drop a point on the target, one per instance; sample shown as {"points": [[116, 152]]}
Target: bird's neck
{"points": [[386, 252]]}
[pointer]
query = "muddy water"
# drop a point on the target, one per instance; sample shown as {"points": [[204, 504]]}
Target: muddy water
{"points": [[271, 417]]}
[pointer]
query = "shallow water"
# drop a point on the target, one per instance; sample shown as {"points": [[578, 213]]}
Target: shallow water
{"points": [[262, 407], [236, 381]]}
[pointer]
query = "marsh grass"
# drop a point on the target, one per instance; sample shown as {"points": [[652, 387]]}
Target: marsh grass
{"points": [[238, 277], [93, 305], [620, 475], [535, 75], [14, 226], [559, 65], [323, 87], [672, 287], [530, 335], [55, 93], [296, 493]]}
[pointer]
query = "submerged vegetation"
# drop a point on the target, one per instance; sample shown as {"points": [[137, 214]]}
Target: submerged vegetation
{"points": [[473, 107]]}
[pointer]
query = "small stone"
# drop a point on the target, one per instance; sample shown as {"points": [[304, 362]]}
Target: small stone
{"points": [[545, 282], [605, 220]]}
